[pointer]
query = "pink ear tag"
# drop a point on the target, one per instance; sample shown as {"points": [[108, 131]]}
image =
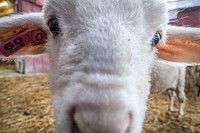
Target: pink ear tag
{"points": [[19, 41]]}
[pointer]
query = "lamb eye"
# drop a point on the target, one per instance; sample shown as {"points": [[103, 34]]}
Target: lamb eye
{"points": [[156, 39], [53, 25]]}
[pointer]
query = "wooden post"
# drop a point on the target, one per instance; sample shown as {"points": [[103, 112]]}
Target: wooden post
{"points": [[192, 83]]}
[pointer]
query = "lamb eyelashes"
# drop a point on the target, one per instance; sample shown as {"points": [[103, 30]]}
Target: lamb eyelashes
{"points": [[156, 38], [53, 25]]}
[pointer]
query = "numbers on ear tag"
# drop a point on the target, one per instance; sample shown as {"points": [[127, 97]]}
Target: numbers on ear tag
{"points": [[13, 46], [19, 41]]}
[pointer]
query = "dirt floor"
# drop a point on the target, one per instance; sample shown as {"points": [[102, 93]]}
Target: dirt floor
{"points": [[25, 107]]}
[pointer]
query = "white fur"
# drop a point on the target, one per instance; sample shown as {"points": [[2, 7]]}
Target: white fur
{"points": [[32, 20], [169, 77], [96, 62]]}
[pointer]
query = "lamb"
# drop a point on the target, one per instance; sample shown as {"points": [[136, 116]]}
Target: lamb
{"points": [[169, 77], [100, 54]]}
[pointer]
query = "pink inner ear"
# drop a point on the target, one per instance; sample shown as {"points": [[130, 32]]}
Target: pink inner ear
{"points": [[180, 49]]}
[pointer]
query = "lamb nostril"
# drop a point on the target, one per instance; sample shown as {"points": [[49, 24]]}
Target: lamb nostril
{"points": [[74, 126]]}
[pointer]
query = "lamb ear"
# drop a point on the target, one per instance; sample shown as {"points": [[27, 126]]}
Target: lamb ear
{"points": [[22, 34], [183, 45]]}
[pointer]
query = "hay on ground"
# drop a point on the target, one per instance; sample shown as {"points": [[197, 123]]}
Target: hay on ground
{"points": [[25, 107]]}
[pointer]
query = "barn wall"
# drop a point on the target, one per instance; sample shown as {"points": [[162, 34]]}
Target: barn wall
{"points": [[188, 17], [30, 5], [37, 64]]}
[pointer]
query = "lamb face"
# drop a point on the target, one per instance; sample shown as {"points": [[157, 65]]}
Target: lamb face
{"points": [[100, 55]]}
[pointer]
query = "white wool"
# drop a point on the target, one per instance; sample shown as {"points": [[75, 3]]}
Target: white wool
{"points": [[170, 77]]}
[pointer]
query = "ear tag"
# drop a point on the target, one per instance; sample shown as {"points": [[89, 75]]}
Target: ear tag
{"points": [[19, 41]]}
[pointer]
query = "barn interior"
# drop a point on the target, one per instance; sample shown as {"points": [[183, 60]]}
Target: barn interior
{"points": [[25, 99]]}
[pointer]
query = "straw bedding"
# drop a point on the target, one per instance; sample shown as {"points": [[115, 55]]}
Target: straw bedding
{"points": [[25, 107]]}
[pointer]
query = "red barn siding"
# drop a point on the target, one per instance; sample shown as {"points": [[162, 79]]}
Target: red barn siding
{"points": [[32, 64], [37, 64], [188, 17], [30, 5]]}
